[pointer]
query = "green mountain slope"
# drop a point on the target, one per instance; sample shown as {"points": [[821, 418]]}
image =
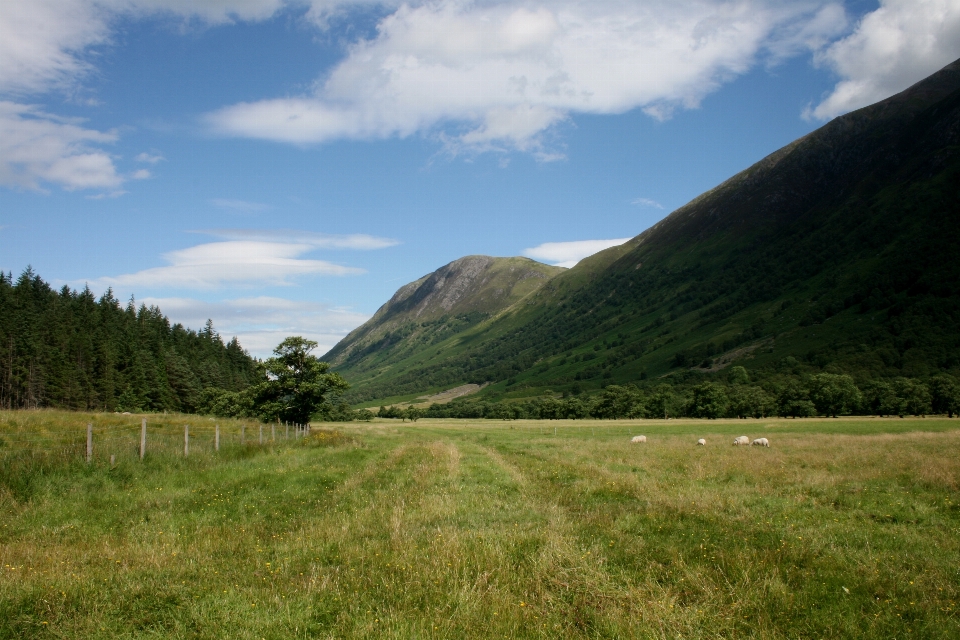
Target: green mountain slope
{"points": [[439, 305], [838, 252]]}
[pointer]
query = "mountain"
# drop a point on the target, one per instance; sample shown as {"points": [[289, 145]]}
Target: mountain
{"points": [[439, 305], [838, 252]]}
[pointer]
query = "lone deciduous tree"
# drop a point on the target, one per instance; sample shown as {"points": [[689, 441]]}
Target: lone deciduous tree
{"points": [[296, 384], [833, 394]]}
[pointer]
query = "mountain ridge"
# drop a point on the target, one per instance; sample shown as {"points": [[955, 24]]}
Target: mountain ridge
{"points": [[851, 229], [469, 288]]}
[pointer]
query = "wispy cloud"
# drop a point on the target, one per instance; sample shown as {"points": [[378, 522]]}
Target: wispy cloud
{"points": [[568, 254], [647, 202], [240, 205], [107, 194], [44, 46], [262, 322], [151, 158], [38, 149], [358, 241], [248, 258], [243, 263]]}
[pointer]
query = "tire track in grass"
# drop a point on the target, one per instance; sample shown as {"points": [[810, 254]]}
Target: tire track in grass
{"points": [[467, 517], [379, 572], [570, 580], [659, 595], [666, 577]]}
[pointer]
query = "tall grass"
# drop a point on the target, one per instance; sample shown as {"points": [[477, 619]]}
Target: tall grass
{"points": [[842, 528]]}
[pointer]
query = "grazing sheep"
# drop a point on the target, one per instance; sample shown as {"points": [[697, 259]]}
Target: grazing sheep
{"points": [[741, 440], [763, 442], [701, 442], [638, 439]]}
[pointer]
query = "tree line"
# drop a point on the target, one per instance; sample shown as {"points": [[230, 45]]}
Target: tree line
{"points": [[822, 394], [68, 349]]}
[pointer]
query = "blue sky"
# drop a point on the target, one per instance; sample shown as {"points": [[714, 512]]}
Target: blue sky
{"points": [[282, 167]]}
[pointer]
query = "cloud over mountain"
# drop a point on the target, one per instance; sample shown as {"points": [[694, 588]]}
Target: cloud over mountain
{"points": [[568, 254], [890, 49]]}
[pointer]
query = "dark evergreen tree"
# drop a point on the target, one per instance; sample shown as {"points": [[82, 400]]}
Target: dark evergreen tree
{"points": [[69, 350]]}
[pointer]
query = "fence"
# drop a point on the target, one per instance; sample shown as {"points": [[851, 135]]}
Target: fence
{"points": [[112, 443]]}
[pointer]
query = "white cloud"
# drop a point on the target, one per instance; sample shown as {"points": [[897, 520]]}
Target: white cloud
{"points": [[103, 195], [44, 45], [43, 42], [357, 241], [481, 75], [261, 323], [151, 158], [141, 174], [898, 44], [240, 205], [647, 202], [38, 148], [40, 41], [568, 254], [231, 263], [497, 74]]}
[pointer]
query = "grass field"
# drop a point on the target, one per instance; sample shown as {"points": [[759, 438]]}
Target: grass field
{"points": [[459, 529]]}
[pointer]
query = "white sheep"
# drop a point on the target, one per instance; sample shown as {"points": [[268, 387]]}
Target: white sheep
{"points": [[638, 439], [741, 440], [762, 442], [701, 442]]}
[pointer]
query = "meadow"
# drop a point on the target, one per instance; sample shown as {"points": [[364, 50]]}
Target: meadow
{"points": [[475, 529]]}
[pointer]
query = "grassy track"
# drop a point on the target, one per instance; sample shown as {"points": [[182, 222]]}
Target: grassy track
{"points": [[459, 529]]}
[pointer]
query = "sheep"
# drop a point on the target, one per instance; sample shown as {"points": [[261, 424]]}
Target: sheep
{"points": [[763, 442], [701, 442], [741, 440], [638, 439]]}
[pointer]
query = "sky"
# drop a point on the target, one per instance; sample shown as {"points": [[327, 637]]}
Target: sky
{"points": [[283, 166]]}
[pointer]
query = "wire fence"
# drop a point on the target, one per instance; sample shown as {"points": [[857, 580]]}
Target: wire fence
{"points": [[114, 443]]}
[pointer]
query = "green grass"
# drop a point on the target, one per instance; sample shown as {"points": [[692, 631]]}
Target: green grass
{"points": [[476, 529]]}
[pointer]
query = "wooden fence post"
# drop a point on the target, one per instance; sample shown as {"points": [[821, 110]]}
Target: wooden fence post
{"points": [[287, 436], [261, 434], [243, 434], [273, 432], [113, 460], [89, 443], [143, 437], [216, 439], [186, 440]]}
